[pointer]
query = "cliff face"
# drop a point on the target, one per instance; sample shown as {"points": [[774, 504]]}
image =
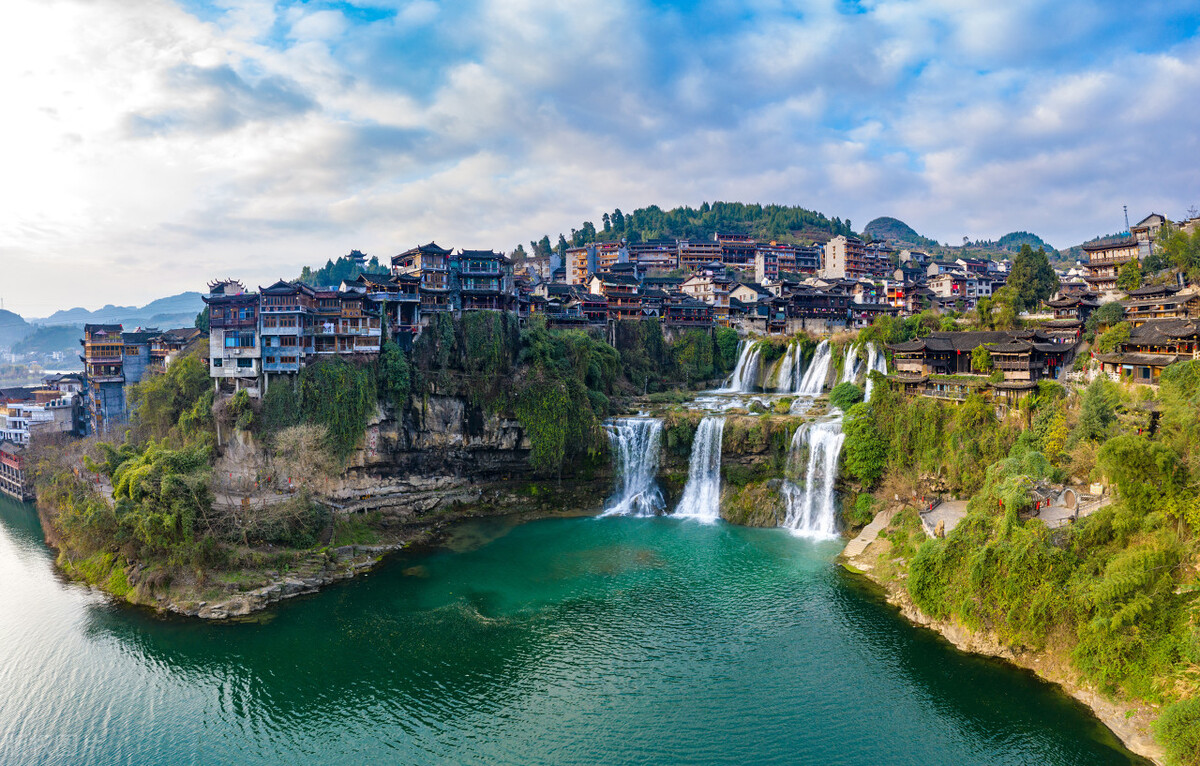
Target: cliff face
{"points": [[445, 455]]}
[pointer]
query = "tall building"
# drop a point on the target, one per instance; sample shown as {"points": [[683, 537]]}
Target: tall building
{"points": [[432, 264], [104, 367], [1105, 259], [845, 258], [235, 353]]}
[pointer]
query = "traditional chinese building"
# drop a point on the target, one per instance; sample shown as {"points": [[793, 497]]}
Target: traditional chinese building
{"points": [[104, 367], [1153, 346], [432, 265], [235, 353], [1105, 259], [484, 280]]}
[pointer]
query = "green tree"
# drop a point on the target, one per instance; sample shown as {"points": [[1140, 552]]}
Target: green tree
{"points": [[845, 395], [1098, 411], [865, 451], [1105, 316], [1130, 276], [395, 374], [981, 359], [1181, 250], [202, 320], [1032, 277], [1113, 337], [726, 340]]}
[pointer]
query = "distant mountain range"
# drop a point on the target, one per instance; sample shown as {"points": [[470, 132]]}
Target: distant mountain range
{"points": [[897, 231], [894, 230], [49, 334], [12, 328], [173, 311]]}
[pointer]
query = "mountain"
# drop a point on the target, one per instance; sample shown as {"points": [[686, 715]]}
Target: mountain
{"points": [[50, 339], [783, 223], [12, 328], [1015, 239], [173, 311], [895, 230]]}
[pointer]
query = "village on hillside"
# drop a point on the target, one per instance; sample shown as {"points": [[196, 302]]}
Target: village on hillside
{"points": [[758, 288]]}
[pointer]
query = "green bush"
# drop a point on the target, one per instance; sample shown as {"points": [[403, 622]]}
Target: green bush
{"points": [[864, 453], [341, 396], [395, 375], [845, 395], [1178, 729]]}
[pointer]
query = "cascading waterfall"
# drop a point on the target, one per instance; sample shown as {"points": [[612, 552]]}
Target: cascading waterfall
{"points": [[789, 370], [745, 373], [876, 362], [850, 365], [635, 443], [702, 494], [811, 509], [813, 381]]}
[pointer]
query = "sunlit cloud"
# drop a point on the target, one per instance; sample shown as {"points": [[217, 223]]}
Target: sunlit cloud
{"points": [[151, 145]]}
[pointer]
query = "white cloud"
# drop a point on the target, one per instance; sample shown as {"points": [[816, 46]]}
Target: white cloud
{"points": [[143, 140]]}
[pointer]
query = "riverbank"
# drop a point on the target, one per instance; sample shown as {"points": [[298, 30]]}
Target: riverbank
{"points": [[236, 581], [868, 555]]}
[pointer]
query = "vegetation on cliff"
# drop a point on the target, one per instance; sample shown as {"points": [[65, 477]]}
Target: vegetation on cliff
{"points": [[784, 223], [1114, 592]]}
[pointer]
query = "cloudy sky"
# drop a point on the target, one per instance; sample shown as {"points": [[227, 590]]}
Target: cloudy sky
{"points": [[148, 145]]}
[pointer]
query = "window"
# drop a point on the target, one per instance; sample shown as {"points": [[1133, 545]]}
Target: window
{"points": [[217, 362], [239, 339], [245, 363]]}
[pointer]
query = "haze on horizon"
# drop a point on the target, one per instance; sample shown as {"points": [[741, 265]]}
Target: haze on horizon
{"points": [[153, 145]]}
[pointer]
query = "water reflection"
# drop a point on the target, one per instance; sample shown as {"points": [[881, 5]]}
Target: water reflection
{"points": [[564, 641]]}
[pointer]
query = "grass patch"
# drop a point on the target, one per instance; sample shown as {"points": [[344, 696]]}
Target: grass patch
{"points": [[358, 529]]}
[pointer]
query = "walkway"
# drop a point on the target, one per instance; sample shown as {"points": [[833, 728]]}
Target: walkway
{"points": [[1055, 516], [949, 513], [868, 534]]}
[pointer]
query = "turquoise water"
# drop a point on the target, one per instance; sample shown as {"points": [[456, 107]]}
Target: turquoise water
{"points": [[567, 641]]}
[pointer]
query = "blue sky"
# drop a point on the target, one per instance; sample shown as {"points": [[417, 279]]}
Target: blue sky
{"points": [[151, 145]]}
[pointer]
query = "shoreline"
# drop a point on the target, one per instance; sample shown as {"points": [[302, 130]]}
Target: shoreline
{"points": [[343, 563], [1129, 722]]}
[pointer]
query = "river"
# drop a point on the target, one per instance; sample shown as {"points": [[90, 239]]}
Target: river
{"points": [[564, 641]]}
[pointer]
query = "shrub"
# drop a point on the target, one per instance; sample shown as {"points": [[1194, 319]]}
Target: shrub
{"points": [[865, 452], [1178, 728], [845, 395], [340, 396]]}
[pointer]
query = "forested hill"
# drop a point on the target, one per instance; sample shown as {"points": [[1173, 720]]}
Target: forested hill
{"points": [[895, 230], [1013, 241], [346, 268], [781, 223]]}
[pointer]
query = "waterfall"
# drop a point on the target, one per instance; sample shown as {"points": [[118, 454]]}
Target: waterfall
{"points": [[876, 362], [810, 507], [814, 378], [635, 443], [702, 494], [789, 369], [745, 373], [850, 365]]}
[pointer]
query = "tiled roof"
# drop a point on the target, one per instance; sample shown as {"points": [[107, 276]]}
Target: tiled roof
{"points": [[1151, 360]]}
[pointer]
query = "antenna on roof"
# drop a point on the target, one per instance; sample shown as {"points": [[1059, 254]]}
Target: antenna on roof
{"points": [[1126, 209]]}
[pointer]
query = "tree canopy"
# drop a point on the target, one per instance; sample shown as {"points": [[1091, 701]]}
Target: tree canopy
{"points": [[1032, 277]]}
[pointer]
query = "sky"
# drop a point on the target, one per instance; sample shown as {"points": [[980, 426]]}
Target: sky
{"points": [[148, 146]]}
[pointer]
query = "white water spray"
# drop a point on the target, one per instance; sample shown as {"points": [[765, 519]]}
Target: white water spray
{"points": [[702, 494], [745, 373], [635, 444], [876, 362], [813, 382], [811, 508], [850, 365], [788, 375]]}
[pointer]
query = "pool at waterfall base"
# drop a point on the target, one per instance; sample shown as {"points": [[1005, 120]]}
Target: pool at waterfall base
{"points": [[585, 640]]}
